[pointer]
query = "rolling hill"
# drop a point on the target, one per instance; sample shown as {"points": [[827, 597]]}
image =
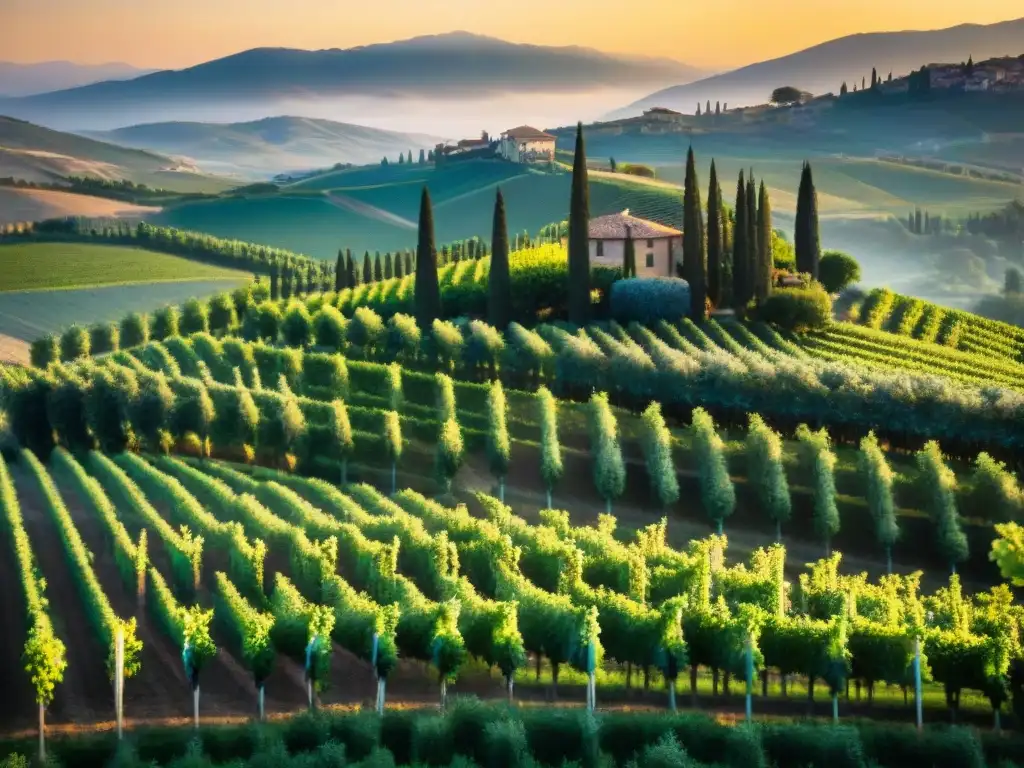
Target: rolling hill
{"points": [[34, 153], [455, 65], [822, 68], [45, 76], [266, 147]]}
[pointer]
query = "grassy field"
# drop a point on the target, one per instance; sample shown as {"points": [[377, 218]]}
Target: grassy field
{"points": [[376, 208], [27, 315], [49, 266]]}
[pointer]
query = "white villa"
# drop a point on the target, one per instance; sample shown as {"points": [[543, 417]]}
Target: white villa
{"points": [[658, 248], [527, 145]]}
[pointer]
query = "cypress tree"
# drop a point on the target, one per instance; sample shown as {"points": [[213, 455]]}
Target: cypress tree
{"points": [[725, 280], [286, 284], [339, 271], [718, 108], [275, 278], [389, 271], [807, 241], [367, 269], [707, 108], [427, 293], [629, 255], [399, 266], [351, 276], [409, 266], [874, 78], [764, 245], [694, 256], [579, 236], [499, 282], [423, 157], [714, 238], [750, 217], [741, 290], [378, 269]]}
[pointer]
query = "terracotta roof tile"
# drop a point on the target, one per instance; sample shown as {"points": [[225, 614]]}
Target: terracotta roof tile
{"points": [[613, 227], [527, 132]]}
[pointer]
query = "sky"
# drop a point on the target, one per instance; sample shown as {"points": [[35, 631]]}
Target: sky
{"points": [[715, 35]]}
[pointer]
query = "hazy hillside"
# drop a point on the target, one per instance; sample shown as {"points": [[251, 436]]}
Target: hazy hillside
{"points": [[29, 79], [271, 146], [823, 68], [457, 65], [38, 154]]}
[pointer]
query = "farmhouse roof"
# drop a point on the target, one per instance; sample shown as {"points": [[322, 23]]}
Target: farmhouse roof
{"points": [[526, 133], [613, 227]]}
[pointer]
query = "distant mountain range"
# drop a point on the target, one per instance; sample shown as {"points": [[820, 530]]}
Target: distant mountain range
{"points": [[453, 65], [267, 147], [823, 68], [29, 79]]}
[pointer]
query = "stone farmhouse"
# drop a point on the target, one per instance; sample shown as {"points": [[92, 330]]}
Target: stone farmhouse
{"points": [[527, 145], [658, 248]]}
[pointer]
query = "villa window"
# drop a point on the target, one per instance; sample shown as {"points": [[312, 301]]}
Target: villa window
{"points": [[650, 243], [600, 248], [650, 260]]}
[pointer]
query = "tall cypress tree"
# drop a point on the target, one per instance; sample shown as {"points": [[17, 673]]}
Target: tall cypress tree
{"points": [[378, 268], [409, 266], [427, 293], [629, 255], [389, 271], [579, 236], [714, 238], [750, 217], [741, 290], [399, 265], [351, 275], [286, 284], [764, 244], [807, 240], [339, 271], [694, 256], [367, 268], [499, 282]]}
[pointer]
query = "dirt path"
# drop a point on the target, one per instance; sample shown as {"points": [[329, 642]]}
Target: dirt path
{"points": [[86, 693], [14, 350], [339, 200]]}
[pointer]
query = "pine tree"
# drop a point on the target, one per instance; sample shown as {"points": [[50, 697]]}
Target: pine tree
{"points": [[807, 241], [694, 256], [427, 293], [764, 245], [742, 290], [339, 271], [352, 277], [579, 236], [499, 283], [378, 268], [367, 269], [715, 255], [629, 255]]}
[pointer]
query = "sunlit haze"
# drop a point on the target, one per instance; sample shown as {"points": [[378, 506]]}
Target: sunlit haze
{"points": [[162, 34]]}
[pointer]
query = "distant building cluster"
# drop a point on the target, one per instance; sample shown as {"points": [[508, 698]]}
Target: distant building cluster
{"points": [[1003, 74], [524, 144]]}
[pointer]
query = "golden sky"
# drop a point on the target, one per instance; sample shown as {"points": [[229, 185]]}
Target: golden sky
{"points": [[718, 34]]}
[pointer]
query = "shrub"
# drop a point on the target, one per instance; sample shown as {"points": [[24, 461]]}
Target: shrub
{"points": [[44, 350], [329, 328], [223, 314], [506, 744], [366, 331], [636, 169], [74, 344], [297, 328], [134, 330], [164, 323], [194, 318], [649, 299], [104, 337], [836, 270], [797, 309]]}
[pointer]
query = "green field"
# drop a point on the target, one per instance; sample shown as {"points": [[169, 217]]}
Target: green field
{"points": [[51, 266], [28, 315], [380, 206]]}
